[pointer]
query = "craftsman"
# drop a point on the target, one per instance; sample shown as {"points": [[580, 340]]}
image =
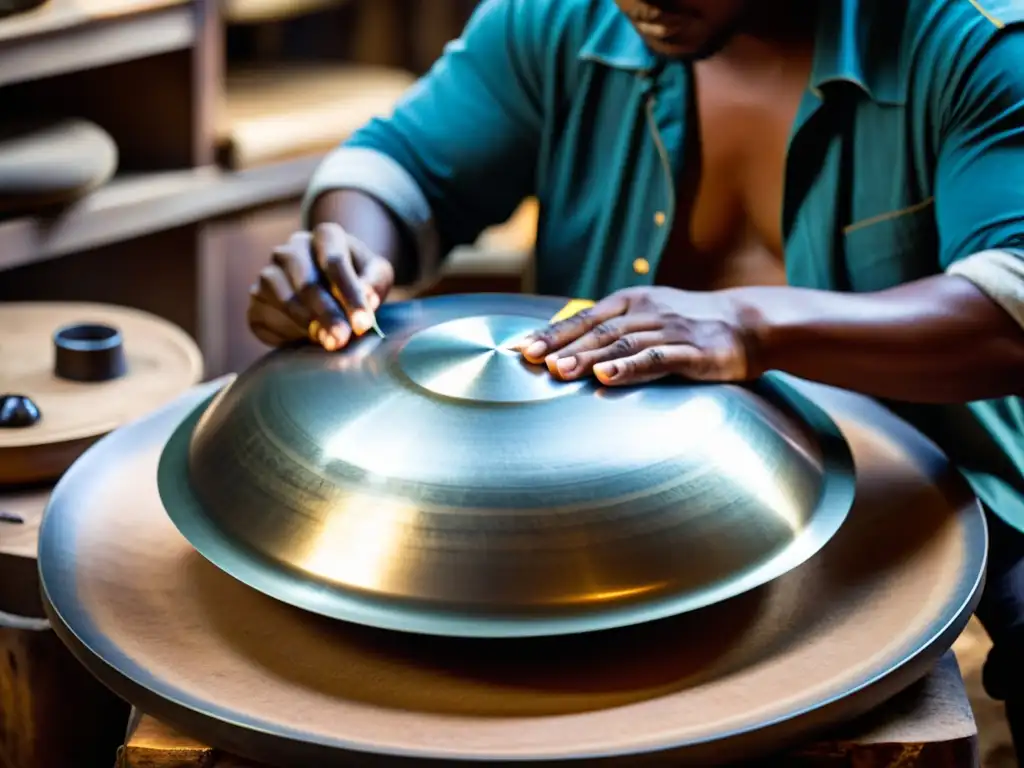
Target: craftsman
{"points": [[830, 189]]}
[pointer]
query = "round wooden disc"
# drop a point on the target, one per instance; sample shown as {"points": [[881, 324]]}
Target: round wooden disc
{"points": [[163, 361], [183, 641]]}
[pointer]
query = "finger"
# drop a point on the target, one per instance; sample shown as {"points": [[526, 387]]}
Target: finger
{"points": [[604, 335], [648, 365], [307, 301], [295, 258], [271, 325], [625, 346], [266, 336], [332, 252], [328, 326], [273, 288], [376, 273], [536, 346], [273, 305]]}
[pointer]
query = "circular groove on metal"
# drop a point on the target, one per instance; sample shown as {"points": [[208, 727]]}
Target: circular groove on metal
{"points": [[824, 643], [432, 482], [475, 359]]}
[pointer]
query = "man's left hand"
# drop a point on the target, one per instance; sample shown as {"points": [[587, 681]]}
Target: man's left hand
{"points": [[639, 335]]}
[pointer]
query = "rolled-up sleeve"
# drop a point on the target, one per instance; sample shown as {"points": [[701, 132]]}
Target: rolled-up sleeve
{"points": [[459, 152], [979, 183]]}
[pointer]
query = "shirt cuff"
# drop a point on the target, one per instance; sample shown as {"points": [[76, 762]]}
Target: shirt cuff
{"points": [[999, 275], [380, 177]]}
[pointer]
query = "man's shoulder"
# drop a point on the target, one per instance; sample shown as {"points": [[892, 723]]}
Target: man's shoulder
{"points": [[939, 41], [562, 24], [959, 23]]}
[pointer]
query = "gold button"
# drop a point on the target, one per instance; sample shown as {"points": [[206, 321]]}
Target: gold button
{"points": [[641, 266], [659, 218]]}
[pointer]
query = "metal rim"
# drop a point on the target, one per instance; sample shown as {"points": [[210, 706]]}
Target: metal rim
{"points": [[186, 513], [263, 739]]}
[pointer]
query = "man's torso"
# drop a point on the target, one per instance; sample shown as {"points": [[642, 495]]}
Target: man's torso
{"points": [[819, 176]]}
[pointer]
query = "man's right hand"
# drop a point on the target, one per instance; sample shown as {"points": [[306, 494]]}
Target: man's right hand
{"points": [[319, 287]]}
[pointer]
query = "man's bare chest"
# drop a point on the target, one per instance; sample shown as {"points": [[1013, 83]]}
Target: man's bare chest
{"points": [[728, 223]]}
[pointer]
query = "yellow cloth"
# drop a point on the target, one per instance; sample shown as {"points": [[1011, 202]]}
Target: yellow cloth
{"points": [[572, 308]]}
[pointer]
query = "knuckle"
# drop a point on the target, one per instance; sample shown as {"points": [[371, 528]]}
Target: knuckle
{"points": [[328, 229], [271, 272], [656, 356], [678, 326], [604, 332], [624, 345], [583, 317]]}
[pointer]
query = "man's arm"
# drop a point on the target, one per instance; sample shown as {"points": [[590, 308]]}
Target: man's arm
{"points": [[957, 337], [458, 154]]}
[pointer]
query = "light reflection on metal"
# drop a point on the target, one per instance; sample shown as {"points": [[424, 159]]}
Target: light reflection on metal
{"points": [[432, 481]]}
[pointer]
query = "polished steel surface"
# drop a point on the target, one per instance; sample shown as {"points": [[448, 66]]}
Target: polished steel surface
{"points": [[431, 481], [730, 683]]}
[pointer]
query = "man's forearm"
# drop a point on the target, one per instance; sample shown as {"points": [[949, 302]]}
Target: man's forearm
{"points": [[935, 340], [371, 222]]}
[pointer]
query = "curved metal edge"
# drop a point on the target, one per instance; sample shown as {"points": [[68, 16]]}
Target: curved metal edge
{"points": [[289, 586], [259, 741]]}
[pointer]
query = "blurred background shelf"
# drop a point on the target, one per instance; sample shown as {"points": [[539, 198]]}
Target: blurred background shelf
{"points": [[142, 204], [65, 36], [272, 112], [220, 111]]}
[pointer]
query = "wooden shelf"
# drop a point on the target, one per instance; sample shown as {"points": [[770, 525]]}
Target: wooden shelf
{"points": [[278, 112], [134, 206], [64, 36], [261, 11]]}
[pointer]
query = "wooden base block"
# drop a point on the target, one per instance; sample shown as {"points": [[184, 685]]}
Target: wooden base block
{"points": [[928, 726], [53, 714]]}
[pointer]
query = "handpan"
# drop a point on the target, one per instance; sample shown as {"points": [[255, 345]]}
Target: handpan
{"points": [[822, 643], [73, 372], [431, 481]]}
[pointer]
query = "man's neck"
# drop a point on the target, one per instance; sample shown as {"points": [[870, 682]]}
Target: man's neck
{"points": [[772, 34]]}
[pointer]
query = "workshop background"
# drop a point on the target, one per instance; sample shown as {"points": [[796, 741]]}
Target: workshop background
{"points": [[156, 151]]}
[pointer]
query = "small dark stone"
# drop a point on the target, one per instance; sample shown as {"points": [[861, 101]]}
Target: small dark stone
{"points": [[18, 411]]}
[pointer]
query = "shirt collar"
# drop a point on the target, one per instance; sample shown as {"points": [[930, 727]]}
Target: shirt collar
{"points": [[857, 43]]}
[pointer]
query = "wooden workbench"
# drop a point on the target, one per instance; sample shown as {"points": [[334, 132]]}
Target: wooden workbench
{"points": [[928, 726]]}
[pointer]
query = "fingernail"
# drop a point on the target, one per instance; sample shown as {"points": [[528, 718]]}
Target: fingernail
{"points": [[606, 370], [361, 322], [566, 364], [536, 349], [327, 341], [520, 345], [340, 334]]}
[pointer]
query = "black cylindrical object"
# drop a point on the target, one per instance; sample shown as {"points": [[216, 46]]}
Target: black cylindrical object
{"points": [[89, 352]]}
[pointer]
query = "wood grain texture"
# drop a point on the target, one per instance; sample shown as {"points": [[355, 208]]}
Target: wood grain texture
{"points": [[162, 363], [53, 714], [928, 726]]}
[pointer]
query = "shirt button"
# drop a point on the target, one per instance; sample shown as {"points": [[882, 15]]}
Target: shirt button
{"points": [[659, 218], [641, 266]]}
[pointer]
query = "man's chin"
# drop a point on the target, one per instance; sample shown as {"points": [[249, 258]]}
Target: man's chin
{"points": [[683, 50]]}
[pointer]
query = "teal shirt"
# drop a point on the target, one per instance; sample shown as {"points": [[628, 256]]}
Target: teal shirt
{"points": [[907, 154]]}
